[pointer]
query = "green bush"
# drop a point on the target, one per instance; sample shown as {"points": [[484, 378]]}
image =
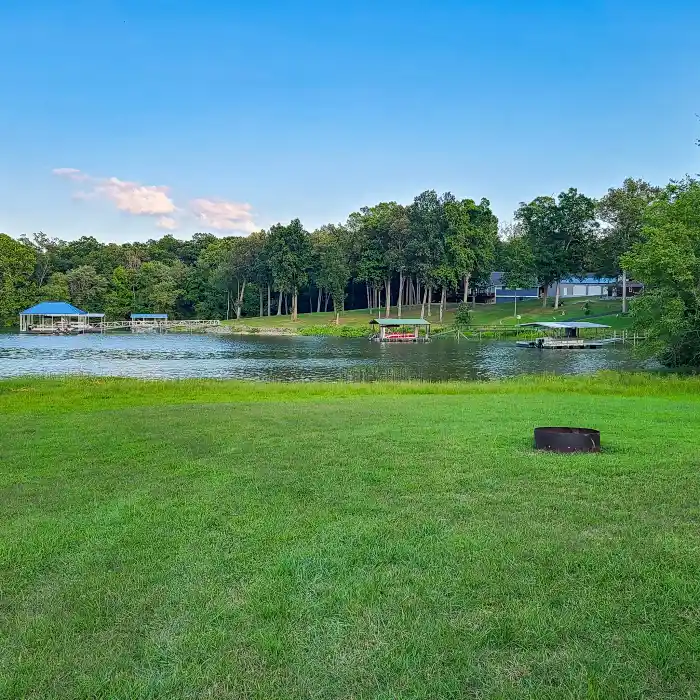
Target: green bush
{"points": [[463, 316], [336, 331]]}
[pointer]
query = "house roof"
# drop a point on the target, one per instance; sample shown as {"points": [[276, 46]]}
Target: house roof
{"points": [[589, 279], [52, 308], [564, 324], [395, 322], [149, 316]]}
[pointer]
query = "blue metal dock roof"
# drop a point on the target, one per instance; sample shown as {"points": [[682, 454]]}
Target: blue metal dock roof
{"points": [[164, 316], [53, 308]]}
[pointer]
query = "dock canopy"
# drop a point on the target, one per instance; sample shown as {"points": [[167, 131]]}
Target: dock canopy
{"points": [[570, 328], [163, 317], [53, 308], [56, 317], [386, 334], [564, 324], [397, 322]]}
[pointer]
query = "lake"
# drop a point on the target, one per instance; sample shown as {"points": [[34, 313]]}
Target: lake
{"points": [[291, 358]]}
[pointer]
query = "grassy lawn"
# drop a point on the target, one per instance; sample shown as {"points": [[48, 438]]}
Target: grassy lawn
{"points": [[484, 315], [237, 540]]}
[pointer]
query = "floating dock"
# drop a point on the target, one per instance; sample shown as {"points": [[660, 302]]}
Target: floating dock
{"points": [[568, 336], [566, 343]]}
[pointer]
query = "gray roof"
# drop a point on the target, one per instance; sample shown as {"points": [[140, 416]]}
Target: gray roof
{"points": [[564, 324]]}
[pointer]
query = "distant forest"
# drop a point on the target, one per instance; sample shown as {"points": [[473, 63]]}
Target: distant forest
{"points": [[388, 255]]}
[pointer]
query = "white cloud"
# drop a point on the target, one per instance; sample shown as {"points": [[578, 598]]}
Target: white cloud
{"points": [[71, 174], [130, 197], [155, 201], [167, 223], [134, 198], [223, 215]]}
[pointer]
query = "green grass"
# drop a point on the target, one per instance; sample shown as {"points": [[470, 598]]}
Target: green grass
{"points": [[484, 315], [204, 539]]}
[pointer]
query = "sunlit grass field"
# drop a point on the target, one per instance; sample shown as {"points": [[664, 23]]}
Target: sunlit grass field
{"points": [[483, 315], [204, 539]]}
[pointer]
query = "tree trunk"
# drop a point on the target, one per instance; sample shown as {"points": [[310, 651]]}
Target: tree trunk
{"points": [[443, 302], [311, 303], [556, 296], [422, 307], [624, 291], [318, 303], [260, 294], [369, 310], [269, 301], [228, 302], [295, 305], [279, 305], [430, 299], [239, 300], [388, 297], [418, 297], [398, 303], [545, 296], [325, 306], [465, 298]]}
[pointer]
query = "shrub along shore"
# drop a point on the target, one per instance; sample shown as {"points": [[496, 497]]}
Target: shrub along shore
{"points": [[205, 538]]}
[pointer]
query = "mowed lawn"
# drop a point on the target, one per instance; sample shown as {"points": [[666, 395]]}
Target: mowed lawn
{"points": [[483, 315], [228, 540]]}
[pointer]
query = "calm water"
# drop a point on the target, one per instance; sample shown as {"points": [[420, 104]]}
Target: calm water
{"points": [[177, 356]]}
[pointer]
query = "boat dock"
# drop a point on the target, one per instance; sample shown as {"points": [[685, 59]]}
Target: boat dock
{"points": [[567, 336], [401, 330], [566, 343]]}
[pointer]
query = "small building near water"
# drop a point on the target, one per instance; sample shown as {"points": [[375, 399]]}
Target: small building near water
{"points": [[588, 286], [58, 318], [497, 293], [401, 330]]}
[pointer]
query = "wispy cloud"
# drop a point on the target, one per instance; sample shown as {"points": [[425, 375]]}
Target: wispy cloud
{"points": [[155, 201], [167, 223], [223, 215], [129, 197], [71, 174]]}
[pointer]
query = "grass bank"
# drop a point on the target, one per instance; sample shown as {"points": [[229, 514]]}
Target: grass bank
{"points": [[205, 539], [355, 323]]}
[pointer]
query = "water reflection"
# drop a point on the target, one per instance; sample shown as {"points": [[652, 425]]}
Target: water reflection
{"points": [[178, 356]]}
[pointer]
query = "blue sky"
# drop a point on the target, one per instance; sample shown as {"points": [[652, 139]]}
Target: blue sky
{"points": [[231, 115]]}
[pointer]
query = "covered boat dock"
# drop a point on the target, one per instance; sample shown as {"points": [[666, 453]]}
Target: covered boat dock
{"points": [[566, 336], [58, 318], [391, 330]]}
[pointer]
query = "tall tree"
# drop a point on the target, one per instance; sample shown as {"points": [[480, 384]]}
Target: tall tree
{"points": [[332, 244], [561, 233], [158, 287], [472, 235], [622, 209], [45, 249], [667, 260], [17, 290], [427, 229], [289, 252], [517, 263], [87, 288], [119, 297]]}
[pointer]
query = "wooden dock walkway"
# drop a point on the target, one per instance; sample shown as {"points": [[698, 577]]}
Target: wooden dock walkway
{"points": [[158, 326]]}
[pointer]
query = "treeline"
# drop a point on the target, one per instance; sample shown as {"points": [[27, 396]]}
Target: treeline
{"points": [[389, 255]]}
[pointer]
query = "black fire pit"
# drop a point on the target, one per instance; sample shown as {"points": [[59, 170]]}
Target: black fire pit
{"points": [[567, 439]]}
